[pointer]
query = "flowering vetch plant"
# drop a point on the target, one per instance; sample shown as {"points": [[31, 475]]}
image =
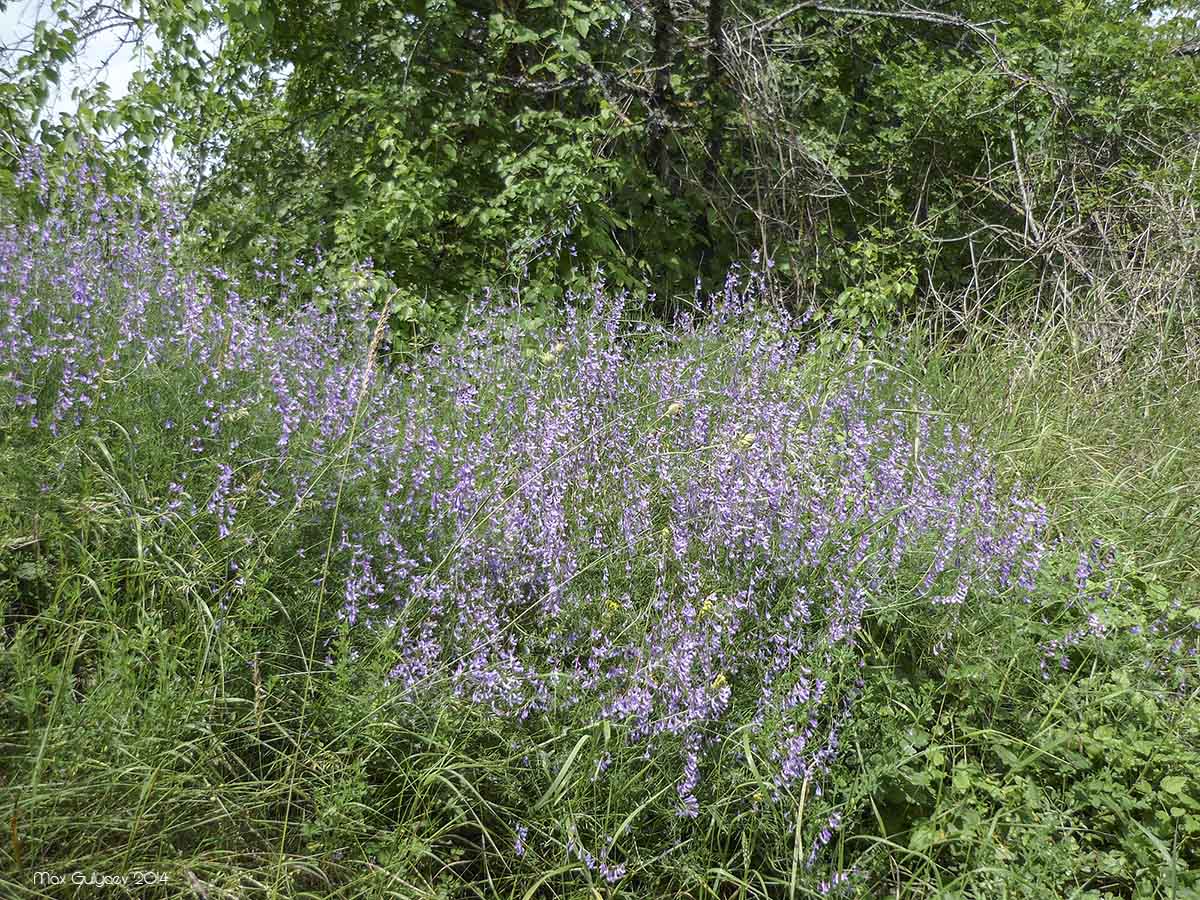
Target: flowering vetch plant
{"points": [[680, 533]]}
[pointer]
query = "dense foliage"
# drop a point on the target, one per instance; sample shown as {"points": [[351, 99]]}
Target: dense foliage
{"points": [[635, 448], [883, 156], [565, 602]]}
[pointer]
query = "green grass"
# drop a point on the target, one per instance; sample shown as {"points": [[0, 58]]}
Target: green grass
{"points": [[1112, 448]]}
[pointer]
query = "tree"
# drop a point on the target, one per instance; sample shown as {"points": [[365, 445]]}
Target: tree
{"points": [[875, 152]]}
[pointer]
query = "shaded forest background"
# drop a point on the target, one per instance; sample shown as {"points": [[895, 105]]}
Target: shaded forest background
{"points": [[969, 159]]}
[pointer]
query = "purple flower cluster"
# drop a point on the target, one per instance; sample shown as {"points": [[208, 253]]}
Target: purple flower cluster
{"points": [[680, 532], [677, 532], [98, 311], [1170, 647], [1056, 650], [599, 863]]}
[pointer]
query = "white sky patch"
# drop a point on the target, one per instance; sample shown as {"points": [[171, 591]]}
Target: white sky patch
{"points": [[103, 59]]}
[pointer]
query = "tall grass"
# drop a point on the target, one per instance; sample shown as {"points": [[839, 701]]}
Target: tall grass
{"points": [[567, 607], [1109, 446]]}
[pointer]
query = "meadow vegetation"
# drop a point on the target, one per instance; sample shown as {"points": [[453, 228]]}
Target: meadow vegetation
{"points": [[577, 604], [546, 449]]}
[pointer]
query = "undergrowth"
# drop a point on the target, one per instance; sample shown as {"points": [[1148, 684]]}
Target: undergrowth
{"points": [[573, 606]]}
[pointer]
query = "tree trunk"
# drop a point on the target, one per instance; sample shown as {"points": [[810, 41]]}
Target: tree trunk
{"points": [[716, 99], [660, 101]]}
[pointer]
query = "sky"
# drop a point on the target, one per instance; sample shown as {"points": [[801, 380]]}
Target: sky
{"points": [[16, 25]]}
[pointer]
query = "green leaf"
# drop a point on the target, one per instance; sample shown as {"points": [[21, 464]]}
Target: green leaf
{"points": [[1174, 784], [962, 780]]}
